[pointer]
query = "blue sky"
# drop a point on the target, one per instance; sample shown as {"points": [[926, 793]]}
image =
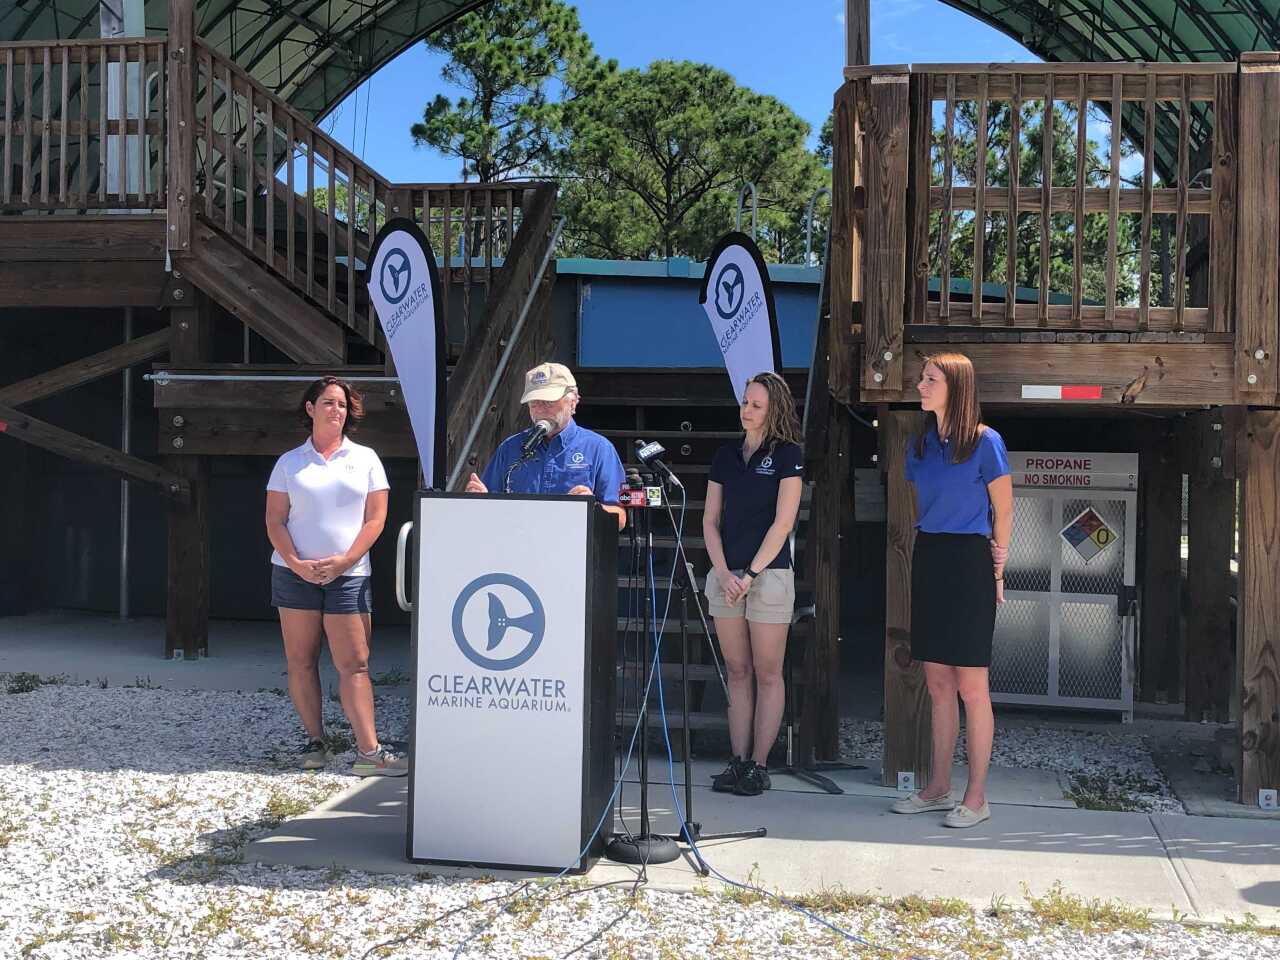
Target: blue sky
{"points": [[792, 50]]}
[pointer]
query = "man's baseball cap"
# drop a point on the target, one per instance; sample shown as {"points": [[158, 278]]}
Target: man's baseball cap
{"points": [[548, 381]]}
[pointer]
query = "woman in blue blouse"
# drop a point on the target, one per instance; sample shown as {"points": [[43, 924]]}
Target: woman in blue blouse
{"points": [[964, 507]]}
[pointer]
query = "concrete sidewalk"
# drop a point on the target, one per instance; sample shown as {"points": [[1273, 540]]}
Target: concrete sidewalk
{"points": [[1210, 868]]}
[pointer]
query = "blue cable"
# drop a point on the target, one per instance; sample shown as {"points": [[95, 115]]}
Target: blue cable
{"points": [[671, 773]]}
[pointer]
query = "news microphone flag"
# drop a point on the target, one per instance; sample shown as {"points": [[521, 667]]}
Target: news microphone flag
{"points": [[402, 279], [738, 299]]}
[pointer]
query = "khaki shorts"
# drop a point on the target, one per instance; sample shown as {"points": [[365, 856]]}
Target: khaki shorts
{"points": [[771, 598]]}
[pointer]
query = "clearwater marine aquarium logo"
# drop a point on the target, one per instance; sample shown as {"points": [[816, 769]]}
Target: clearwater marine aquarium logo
{"points": [[396, 275], [482, 625], [729, 290]]}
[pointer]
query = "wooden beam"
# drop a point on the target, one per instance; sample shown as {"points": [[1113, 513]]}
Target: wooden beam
{"points": [[1257, 240], [127, 238], [256, 432], [907, 721], [886, 239], [88, 284], [844, 251], [87, 370], [1144, 374], [20, 426], [181, 121], [1211, 507], [1222, 222], [187, 596], [187, 606], [1258, 617], [857, 32], [820, 723], [1159, 539]]}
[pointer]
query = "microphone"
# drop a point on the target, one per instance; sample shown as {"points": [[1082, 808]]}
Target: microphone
{"points": [[535, 436], [649, 454]]}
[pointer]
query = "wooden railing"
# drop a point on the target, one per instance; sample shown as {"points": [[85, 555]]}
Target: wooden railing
{"points": [[308, 207], [471, 228], [1133, 234], [83, 125]]}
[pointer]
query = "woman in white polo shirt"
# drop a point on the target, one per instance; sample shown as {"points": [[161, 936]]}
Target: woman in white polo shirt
{"points": [[326, 505]]}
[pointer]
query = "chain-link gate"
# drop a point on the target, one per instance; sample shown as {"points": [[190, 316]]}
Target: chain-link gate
{"points": [[1064, 636]]}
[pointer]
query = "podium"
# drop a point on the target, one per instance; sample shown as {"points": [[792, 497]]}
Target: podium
{"points": [[514, 648]]}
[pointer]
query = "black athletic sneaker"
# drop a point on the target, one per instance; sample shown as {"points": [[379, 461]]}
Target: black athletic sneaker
{"points": [[753, 782], [727, 782]]}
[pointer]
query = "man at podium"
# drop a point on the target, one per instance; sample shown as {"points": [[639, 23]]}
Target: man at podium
{"points": [[555, 455]]}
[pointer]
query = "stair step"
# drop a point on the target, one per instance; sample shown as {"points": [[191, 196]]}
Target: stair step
{"points": [[700, 583], [625, 434], [697, 720]]}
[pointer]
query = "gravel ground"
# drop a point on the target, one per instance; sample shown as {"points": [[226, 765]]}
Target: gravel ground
{"points": [[1108, 769], [123, 813]]}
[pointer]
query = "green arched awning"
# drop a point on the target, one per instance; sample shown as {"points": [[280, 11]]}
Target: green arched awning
{"points": [[312, 53], [1132, 30]]}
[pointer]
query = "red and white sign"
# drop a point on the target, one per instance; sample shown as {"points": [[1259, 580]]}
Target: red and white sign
{"points": [[1061, 392], [1104, 471]]}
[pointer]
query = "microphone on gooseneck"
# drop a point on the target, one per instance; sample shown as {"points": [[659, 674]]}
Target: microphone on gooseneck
{"points": [[650, 455], [535, 436]]}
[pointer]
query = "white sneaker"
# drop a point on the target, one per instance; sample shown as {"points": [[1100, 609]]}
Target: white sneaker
{"points": [[381, 763]]}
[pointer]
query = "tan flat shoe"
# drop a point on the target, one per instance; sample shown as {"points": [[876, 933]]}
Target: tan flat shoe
{"points": [[917, 804], [962, 817]]}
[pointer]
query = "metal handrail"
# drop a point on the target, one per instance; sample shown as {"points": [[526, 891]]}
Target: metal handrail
{"points": [[737, 217], [808, 224], [501, 369]]}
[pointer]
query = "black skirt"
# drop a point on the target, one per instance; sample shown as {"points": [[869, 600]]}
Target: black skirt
{"points": [[953, 599]]}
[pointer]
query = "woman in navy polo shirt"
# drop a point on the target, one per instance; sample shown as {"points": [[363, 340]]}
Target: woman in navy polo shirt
{"points": [[753, 496], [964, 505]]}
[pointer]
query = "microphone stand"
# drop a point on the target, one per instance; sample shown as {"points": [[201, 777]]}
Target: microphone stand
{"points": [[645, 847], [690, 829]]}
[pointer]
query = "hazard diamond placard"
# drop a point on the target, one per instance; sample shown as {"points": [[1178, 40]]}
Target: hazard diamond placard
{"points": [[1088, 534]]}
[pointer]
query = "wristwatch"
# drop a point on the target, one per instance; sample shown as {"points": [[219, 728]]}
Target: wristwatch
{"points": [[752, 574]]}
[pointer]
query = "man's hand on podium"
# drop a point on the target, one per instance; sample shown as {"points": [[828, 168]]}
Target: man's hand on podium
{"points": [[474, 485], [581, 490]]}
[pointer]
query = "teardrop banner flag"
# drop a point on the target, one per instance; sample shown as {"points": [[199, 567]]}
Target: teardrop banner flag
{"points": [[738, 299], [402, 279]]}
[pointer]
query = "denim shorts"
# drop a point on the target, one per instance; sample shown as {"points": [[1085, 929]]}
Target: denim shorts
{"points": [[343, 595]]}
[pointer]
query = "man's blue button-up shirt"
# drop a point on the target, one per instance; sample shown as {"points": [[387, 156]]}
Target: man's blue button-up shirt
{"points": [[574, 457]]}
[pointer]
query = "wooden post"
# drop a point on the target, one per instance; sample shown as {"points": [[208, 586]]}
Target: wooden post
{"points": [[884, 288], [187, 605], [1210, 645], [1258, 242], [1258, 617], [1159, 540], [857, 32], [907, 721], [181, 124], [820, 724], [844, 249]]}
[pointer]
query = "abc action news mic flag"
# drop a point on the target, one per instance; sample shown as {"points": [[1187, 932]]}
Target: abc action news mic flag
{"points": [[403, 280], [739, 303]]}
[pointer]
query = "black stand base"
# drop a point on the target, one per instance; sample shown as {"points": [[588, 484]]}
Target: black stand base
{"points": [[649, 848], [810, 774]]}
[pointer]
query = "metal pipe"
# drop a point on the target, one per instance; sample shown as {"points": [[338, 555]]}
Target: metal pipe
{"points": [[506, 356], [126, 415], [737, 216], [808, 223], [164, 376]]}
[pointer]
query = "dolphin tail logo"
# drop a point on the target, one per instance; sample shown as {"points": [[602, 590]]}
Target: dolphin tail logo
{"points": [[499, 621]]}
